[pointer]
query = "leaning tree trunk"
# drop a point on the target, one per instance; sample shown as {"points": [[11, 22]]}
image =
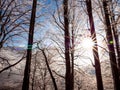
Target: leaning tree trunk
{"points": [[25, 85], [95, 48], [49, 70], [111, 48], [67, 46]]}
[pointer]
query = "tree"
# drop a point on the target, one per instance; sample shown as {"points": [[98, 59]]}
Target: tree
{"points": [[67, 46], [34, 71], [40, 77], [95, 48], [115, 33], [8, 67], [49, 69], [48, 66], [111, 48], [12, 19], [25, 85]]}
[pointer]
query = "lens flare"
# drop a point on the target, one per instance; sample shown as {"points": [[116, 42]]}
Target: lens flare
{"points": [[87, 43]]}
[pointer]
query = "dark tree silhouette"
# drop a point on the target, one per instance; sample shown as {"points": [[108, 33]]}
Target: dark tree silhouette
{"points": [[67, 46], [95, 48], [111, 47], [49, 69], [73, 46], [25, 85], [115, 34]]}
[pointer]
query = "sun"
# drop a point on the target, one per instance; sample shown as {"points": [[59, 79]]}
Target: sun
{"points": [[87, 43]]}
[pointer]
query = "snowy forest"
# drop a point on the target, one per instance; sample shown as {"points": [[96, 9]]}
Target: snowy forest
{"points": [[59, 44]]}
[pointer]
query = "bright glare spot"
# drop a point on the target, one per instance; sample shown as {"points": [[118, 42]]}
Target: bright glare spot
{"points": [[87, 43]]}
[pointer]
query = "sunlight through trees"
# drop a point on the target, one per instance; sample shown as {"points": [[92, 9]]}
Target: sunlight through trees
{"points": [[59, 44]]}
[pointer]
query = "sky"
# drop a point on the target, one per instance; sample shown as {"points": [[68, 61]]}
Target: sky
{"points": [[42, 30], [43, 21]]}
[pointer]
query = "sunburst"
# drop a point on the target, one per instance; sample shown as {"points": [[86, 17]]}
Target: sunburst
{"points": [[87, 43]]}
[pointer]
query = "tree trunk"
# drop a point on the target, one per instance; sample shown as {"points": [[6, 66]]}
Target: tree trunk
{"points": [[52, 77], [95, 48], [72, 64], [34, 72], [0, 13], [25, 85], [67, 46], [73, 45], [111, 48], [116, 37], [1, 43]]}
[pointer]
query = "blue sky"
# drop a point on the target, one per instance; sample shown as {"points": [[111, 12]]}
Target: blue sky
{"points": [[39, 30]]}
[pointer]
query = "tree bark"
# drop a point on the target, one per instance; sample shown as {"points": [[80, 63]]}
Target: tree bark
{"points": [[95, 47], [111, 48], [67, 46], [34, 72], [72, 62], [72, 46], [25, 85]]}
